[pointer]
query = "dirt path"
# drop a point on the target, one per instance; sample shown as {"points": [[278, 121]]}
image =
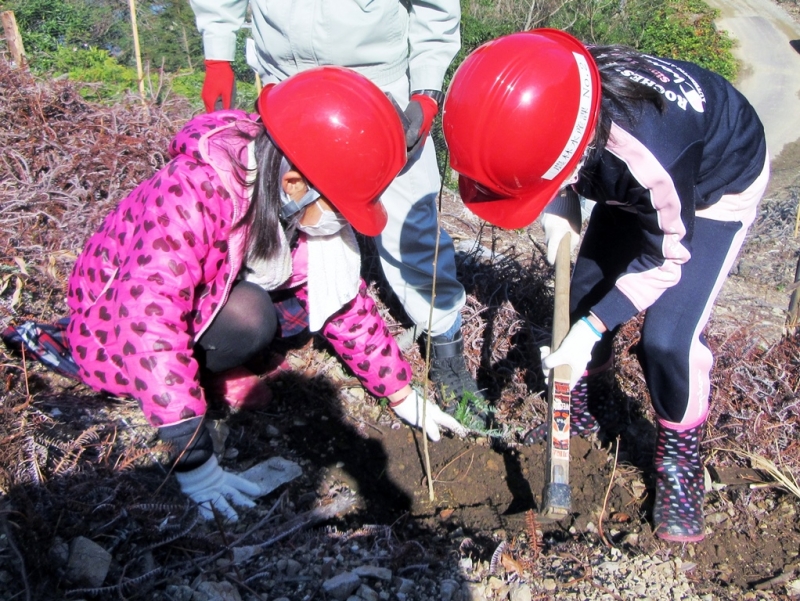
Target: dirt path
{"points": [[770, 76]]}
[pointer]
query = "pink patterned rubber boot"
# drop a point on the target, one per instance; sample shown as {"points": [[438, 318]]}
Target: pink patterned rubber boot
{"points": [[680, 486], [240, 388]]}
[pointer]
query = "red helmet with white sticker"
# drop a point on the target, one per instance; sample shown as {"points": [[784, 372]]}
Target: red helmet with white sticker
{"points": [[518, 117], [343, 134]]}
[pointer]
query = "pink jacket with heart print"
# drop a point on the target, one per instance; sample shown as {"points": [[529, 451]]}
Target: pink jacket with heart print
{"points": [[153, 277]]}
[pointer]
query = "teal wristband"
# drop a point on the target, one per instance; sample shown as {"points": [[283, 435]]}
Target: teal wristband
{"points": [[591, 326]]}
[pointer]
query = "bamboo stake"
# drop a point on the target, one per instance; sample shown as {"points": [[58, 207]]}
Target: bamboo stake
{"points": [[137, 49], [428, 344], [186, 48]]}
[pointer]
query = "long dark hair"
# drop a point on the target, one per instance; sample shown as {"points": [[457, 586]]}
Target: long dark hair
{"points": [[622, 98], [263, 214]]}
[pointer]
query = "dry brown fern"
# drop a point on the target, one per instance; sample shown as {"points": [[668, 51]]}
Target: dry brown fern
{"points": [[534, 532]]}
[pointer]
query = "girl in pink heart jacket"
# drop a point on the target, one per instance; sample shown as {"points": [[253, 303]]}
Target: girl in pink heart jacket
{"points": [[180, 278]]}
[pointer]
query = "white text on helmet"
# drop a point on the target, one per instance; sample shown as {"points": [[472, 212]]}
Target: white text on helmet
{"points": [[581, 119]]}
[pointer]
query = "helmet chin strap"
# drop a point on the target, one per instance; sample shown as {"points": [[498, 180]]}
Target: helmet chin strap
{"points": [[288, 206]]}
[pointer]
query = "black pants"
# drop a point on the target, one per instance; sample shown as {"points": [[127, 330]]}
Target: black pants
{"points": [[244, 327]]}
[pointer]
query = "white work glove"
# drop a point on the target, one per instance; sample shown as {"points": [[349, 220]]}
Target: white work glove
{"points": [[410, 411], [555, 228], [211, 486], [575, 351]]}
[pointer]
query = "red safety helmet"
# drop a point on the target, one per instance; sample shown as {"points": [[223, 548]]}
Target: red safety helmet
{"points": [[343, 134], [518, 116]]}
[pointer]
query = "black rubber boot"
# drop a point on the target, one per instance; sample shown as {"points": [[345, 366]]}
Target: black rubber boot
{"points": [[454, 384], [680, 486]]}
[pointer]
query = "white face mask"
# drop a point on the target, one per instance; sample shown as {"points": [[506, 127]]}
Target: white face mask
{"points": [[329, 223]]}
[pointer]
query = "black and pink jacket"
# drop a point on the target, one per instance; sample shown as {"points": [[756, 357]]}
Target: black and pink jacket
{"points": [[707, 143]]}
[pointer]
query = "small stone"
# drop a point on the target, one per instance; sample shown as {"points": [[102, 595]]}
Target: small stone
{"points": [[549, 584], [447, 588], [342, 585], [292, 567], [88, 562], [374, 572], [180, 592], [521, 593], [610, 566], [216, 591], [405, 586], [366, 593]]}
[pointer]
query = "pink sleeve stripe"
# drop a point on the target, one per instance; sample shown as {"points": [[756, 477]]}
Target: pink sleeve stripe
{"points": [[644, 288]]}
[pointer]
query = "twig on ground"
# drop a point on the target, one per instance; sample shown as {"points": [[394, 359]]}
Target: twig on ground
{"points": [[439, 473], [339, 505], [605, 499], [785, 479]]}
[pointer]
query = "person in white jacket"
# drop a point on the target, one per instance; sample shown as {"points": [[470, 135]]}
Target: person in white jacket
{"points": [[405, 48]]}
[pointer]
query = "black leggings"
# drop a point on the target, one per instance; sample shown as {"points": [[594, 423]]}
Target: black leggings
{"points": [[243, 328]]}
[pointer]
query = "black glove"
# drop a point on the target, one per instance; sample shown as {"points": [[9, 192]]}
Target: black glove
{"points": [[418, 117]]}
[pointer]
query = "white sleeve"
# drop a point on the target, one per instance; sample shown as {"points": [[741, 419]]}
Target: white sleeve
{"points": [[434, 40], [218, 21]]}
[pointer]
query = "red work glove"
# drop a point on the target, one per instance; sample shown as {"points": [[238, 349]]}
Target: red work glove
{"points": [[419, 113], [218, 85]]}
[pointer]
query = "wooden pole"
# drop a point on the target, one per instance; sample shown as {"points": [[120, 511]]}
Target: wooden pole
{"points": [[136, 49], [797, 220], [13, 38], [793, 319]]}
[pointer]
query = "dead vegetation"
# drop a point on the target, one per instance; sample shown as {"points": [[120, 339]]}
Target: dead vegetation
{"points": [[76, 464]]}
